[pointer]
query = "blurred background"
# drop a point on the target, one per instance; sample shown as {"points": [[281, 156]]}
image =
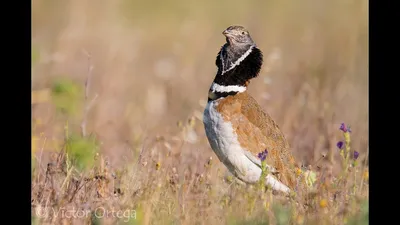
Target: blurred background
{"points": [[150, 65]]}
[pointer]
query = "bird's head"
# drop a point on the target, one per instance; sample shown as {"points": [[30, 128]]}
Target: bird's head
{"points": [[237, 36]]}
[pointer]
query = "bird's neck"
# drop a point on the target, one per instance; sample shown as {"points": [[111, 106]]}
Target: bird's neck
{"points": [[236, 67]]}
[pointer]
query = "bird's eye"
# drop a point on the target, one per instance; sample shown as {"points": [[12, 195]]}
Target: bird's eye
{"points": [[242, 32]]}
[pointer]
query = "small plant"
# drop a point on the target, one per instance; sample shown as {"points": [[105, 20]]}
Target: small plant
{"points": [[282, 214], [264, 170], [349, 157], [82, 151], [66, 96]]}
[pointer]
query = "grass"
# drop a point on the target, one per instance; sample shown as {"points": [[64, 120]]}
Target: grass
{"points": [[118, 90], [143, 192]]}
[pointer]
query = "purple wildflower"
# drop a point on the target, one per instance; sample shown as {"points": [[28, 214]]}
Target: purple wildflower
{"points": [[356, 154], [344, 128], [340, 144], [263, 155]]}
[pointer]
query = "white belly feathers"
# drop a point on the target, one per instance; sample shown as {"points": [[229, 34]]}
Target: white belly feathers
{"points": [[223, 141]]}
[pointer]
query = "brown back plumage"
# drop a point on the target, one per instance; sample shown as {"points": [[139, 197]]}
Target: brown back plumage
{"points": [[257, 131]]}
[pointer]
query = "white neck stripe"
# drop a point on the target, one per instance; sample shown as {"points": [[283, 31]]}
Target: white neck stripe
{"points": [[222, 60], [230, 88], [233, 65]]}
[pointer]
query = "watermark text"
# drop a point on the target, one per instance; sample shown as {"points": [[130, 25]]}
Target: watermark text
{"points": [[74, 213]]}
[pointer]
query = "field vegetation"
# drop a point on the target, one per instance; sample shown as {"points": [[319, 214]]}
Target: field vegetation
{"points": [[118, 91]]}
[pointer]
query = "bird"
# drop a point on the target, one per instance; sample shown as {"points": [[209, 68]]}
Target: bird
{"points": [[238, 130]]}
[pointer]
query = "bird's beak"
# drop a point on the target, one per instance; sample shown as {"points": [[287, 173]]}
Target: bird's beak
{"points": [[226, 33]]}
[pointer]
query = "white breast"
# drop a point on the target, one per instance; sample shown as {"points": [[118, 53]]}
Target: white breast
{"points": [[224, 142]]}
